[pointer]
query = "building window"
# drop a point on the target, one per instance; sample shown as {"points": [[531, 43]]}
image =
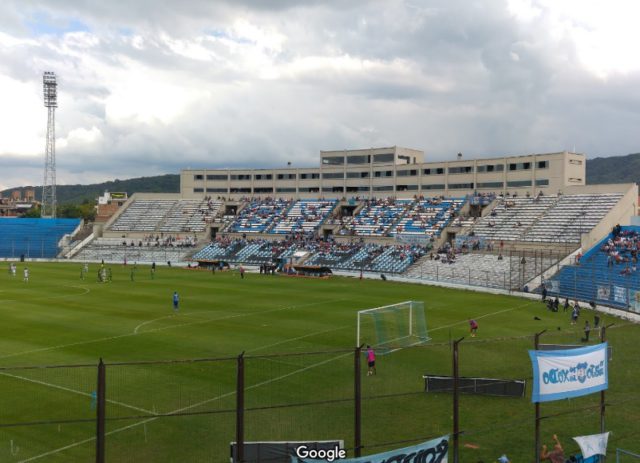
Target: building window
{"points": [[461, 170], [406, 187], [435, 171], [333, 161], [240, 190], [543, 164], [218, 177], [433, 187], [241, 177], [285, 190], [518, 183], [286, 176], [198, 190], [383, 173], [357, 174], [387, 157], [216, 190], [357, 189], [309, 190], [407, 173], [198, 177], [577, 162], [263, 190], [263, 176], [491, 168], [327, 175], [575, 179], [333, 189], [383, 188], [358, 159], [461, 186], [498, 185], [520, 166], [308, 176], [542, 182]]}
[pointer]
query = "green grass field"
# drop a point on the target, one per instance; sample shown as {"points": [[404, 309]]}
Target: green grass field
{"points": [[47, 414]]}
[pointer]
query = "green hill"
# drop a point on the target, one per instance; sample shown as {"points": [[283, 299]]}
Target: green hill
{"points": [[76, 194], [615, 169]]}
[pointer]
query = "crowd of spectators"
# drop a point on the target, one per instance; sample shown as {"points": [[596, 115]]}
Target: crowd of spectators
{"points": [[163, 240], [622, 249]]}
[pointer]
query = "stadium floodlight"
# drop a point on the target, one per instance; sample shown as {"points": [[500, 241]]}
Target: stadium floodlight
{"points": [[392, 327], [50, 87]]}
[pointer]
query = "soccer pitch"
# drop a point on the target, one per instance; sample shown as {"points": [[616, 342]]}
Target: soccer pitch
{"points": [[48, 414]]}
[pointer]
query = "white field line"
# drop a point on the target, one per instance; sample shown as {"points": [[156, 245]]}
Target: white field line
{"points": [[173, 315], [155, 330], [63, 296], [286, 341], [67, 389], [222, 396], [184, 409]]}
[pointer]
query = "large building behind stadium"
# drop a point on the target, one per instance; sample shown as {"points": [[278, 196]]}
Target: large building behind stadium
{"points": [[515, 223]]}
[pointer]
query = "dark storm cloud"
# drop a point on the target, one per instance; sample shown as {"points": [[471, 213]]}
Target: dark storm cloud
{"points": [[151, 87]]}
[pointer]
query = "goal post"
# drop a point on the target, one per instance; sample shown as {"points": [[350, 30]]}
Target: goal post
{"points": [[393, 326]]}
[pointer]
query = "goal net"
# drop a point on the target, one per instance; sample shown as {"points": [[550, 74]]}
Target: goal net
{"points": [[392, 327]]}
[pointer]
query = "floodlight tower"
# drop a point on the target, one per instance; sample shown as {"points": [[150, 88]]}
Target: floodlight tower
{"points": [[48, 207]]}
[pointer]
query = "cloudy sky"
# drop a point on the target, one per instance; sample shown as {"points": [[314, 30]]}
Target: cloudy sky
{"points": [[148, 87]]}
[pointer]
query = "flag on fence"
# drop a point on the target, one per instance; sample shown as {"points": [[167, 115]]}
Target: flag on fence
{"points": [[561, 374], [595, 444], [604, 292], [552, 286], [435, 451], [620, 294]]}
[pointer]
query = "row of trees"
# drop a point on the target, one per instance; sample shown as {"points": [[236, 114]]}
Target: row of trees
{"points": [[86, 210]]}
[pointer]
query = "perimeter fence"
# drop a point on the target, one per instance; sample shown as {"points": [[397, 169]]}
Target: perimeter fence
{"points": [[192, 410]]}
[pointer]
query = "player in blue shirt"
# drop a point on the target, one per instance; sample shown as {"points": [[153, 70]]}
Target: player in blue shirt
{"points": [[176, 301]]}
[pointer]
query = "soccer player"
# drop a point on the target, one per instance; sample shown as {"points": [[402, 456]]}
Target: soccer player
{"points": [[176, 301], [371, 361], [26, 275], [473, 327]]}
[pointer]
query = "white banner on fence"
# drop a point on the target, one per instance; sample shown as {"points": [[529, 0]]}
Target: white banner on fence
{"points": [[433, 451], [560, 374], [620, 294], [604, 292], [595, 444]]}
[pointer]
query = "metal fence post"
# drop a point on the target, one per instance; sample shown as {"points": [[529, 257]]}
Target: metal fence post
{"points": [[456, 403], [357, 397], [240, 409], [100, 412], [536, 343]]}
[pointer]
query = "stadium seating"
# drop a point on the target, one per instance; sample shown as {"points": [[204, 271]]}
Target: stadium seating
{"points": [[169, 248], [305, 216], [477, 269], [33, 238], [427, 217], [144, 215], [190, 216], [377, 217], [259, 215], [606, 274], [551, 219]]}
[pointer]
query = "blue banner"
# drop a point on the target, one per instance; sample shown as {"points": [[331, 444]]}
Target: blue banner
{"points": [[433, 451], [561, 374]]}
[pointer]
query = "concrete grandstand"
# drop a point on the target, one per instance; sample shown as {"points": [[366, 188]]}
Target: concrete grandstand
{"points": [[539, 214]]}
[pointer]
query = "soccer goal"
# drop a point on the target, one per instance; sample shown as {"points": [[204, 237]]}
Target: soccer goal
{"points": [[392, 327]]}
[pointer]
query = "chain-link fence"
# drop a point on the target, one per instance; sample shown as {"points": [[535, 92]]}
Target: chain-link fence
{"points": [[193, 410]]}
